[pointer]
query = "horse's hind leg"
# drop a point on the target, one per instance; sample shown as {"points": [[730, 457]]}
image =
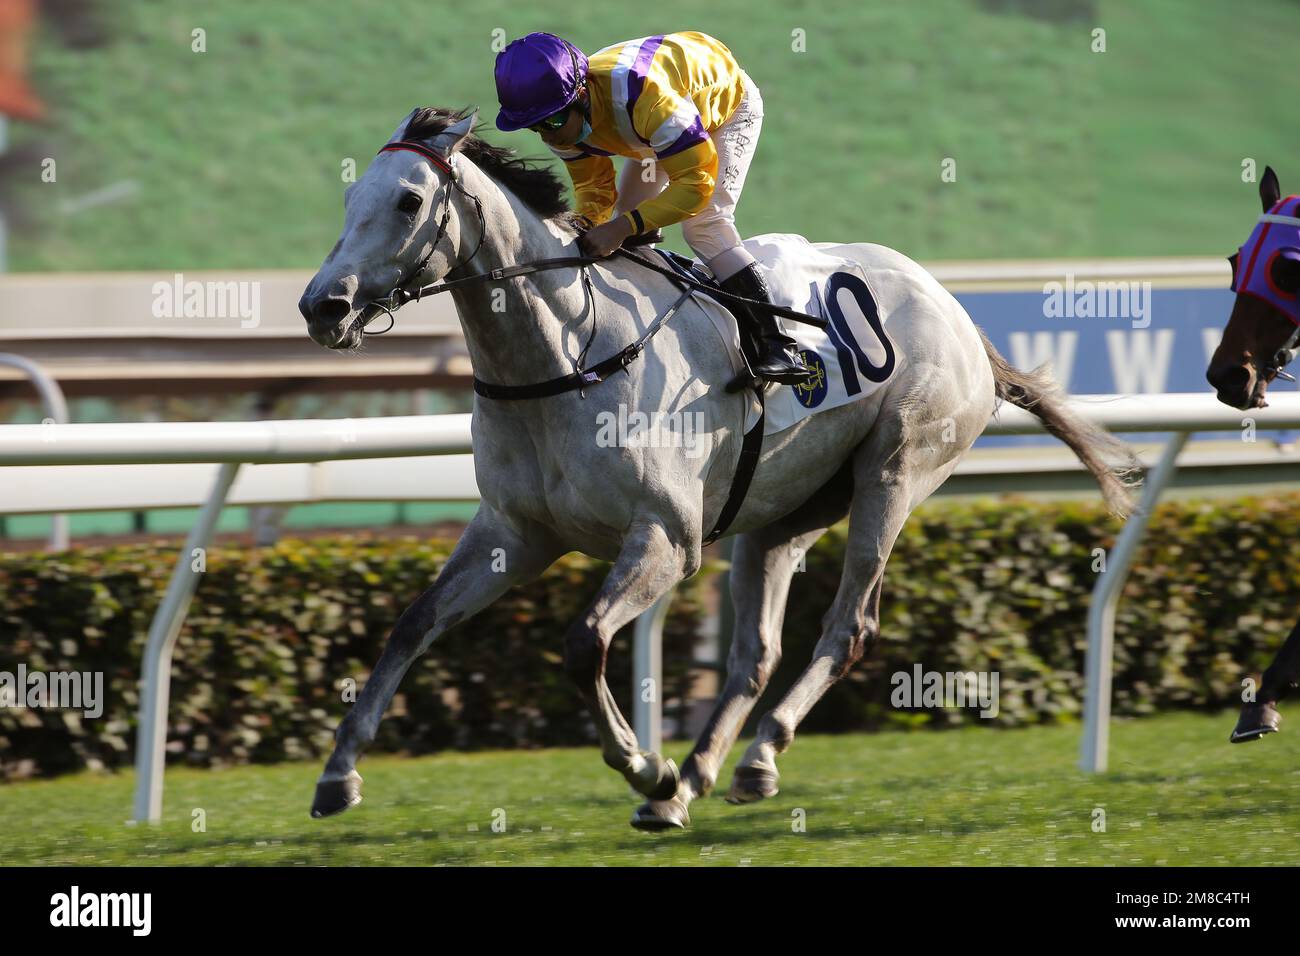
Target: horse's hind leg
{"points": [[646, 569], [1260, 716], [762, 564], [880, 507], [489, 558]]}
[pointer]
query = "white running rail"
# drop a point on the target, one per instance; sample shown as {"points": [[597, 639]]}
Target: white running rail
{"points": [[232, 444]]}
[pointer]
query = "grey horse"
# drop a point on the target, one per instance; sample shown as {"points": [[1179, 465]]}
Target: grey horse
{"points": [[449, 204]]}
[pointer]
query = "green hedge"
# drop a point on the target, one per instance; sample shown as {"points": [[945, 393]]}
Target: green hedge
{"points": [[1212, 593], [274, 632]]}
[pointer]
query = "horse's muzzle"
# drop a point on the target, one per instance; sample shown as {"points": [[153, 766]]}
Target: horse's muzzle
{"points": [[1234, 385], [328, 320]]}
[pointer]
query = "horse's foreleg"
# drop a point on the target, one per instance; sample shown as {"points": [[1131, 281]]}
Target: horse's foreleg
{"points": [[1260, 716], [490, 558], [762, 566], [646, 569], [1283, 674]]}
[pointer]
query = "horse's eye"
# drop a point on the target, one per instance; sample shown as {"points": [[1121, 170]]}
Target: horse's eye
{"points": [[410, 203]]}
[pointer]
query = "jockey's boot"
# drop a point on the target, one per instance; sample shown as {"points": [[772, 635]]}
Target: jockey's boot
{"points": [[776, 361]]}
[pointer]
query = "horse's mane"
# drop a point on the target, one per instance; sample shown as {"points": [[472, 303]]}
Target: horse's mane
{"points": [[538, 186]]}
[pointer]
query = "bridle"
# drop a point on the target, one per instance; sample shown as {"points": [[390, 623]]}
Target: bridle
{"points": [[1273, 368], [447, 165], [1286, 353], [1282, 358]]}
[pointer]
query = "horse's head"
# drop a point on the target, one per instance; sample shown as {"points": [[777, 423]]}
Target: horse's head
{"points": [[400, 229], [1265, 323]]}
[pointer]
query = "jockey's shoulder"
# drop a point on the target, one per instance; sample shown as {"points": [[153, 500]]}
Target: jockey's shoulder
{"points": [[685, 45]]}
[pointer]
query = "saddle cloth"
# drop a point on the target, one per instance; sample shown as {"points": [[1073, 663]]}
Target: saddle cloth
{"points": [[851, 358]]}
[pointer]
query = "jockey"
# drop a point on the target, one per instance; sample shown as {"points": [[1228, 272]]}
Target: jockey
{"points": [[687, 118]]}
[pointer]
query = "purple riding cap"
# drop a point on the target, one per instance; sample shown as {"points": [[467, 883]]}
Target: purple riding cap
{"points": [[537, 76], [1277, 234]]}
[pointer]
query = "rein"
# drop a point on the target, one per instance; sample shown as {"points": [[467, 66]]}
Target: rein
{"points": [[400, 294], [540, 265], [580, 378]]}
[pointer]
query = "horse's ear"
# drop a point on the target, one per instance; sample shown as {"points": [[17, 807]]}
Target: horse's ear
{"points": [[401, 127], [1269, 190], [1285, 270], [454, 136]]}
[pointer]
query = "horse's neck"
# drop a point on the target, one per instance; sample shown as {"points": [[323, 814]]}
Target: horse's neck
{"points": [[518, 331]]}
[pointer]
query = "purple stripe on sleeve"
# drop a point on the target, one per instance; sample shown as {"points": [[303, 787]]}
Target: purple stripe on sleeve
{"points": [[636, 77], [693, 135]]}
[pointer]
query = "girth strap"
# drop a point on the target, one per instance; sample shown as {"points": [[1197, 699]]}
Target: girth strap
{"points": [[750, 448]]}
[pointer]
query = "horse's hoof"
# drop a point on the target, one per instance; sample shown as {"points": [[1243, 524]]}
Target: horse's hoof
{"points": [[661, 815], [335, 796], [1256, 720], [751, 784]]}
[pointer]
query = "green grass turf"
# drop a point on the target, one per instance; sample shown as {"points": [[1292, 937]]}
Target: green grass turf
{"points": [[1177, 794], [235, 153]]}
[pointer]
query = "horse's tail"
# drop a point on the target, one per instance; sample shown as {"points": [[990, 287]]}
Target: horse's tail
{"points": [[1038, 393]]}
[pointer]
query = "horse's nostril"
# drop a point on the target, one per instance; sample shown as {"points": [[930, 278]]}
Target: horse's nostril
{"points": [[1229, 378], [333, 310], [326, 310]]}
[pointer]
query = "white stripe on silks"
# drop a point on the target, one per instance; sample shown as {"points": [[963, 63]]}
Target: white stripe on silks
{"points": [[684, 114], [1285, 220], [618, 82]]}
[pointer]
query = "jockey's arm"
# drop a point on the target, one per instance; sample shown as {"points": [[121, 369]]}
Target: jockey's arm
{"points": [[594, 191], [674, 129], [691, 176]]}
